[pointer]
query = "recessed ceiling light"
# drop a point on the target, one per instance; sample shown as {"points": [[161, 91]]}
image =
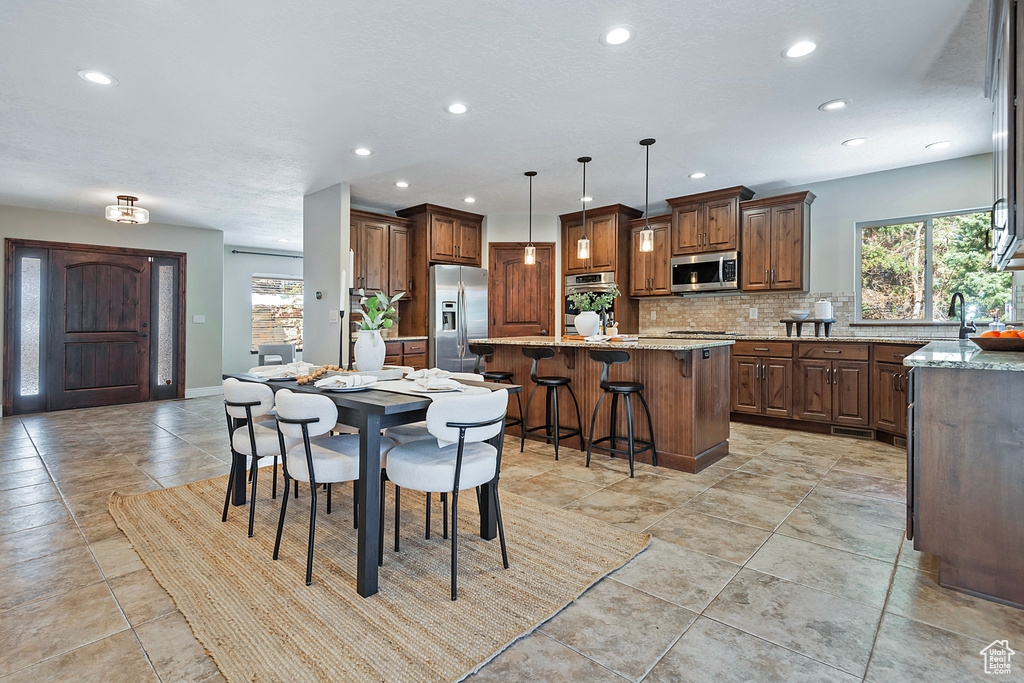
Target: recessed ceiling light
{"points": [[942, 144], [97, 77], [469, 200], [801, 49], [362, 151], [617, 35], [586, 198], [401, 183], [457, 108], [834, 105], [854, 142], [698, 175]]}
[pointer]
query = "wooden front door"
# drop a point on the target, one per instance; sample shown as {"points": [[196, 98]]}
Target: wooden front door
{"points": [[521, 297]]}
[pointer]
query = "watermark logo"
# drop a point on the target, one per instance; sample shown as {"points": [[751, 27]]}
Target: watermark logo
{"points": [[997, 657]]}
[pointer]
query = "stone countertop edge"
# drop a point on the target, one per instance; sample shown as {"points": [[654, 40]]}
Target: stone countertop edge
{"points": [[645, 344], [412, 338], [811, 339], [964, 355]]}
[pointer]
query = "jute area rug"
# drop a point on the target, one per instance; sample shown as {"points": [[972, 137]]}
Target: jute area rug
{"points": [[261, 622]]}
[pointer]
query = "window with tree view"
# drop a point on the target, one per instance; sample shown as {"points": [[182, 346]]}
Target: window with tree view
{"points": [[276, 312], [910, 269]]}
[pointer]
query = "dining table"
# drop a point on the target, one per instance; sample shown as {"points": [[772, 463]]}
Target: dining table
{"points": [[370, 411]]}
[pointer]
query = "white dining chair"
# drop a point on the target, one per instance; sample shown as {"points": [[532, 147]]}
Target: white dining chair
{"points": [[326, 460], [249, 401], [456, 459]]}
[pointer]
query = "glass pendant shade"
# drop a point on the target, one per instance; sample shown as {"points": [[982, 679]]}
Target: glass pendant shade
{"points": [[647, 235], [127, 212], [583, 248], [531, 255], [647, 240], [530, 258]]}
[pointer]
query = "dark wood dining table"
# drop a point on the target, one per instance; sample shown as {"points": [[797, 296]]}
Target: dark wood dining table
{"points": [[370, 411]]}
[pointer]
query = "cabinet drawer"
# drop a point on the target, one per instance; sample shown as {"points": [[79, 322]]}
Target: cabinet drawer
{"points": [[893, 353], [752, 348], [836, 351], [414, 347], [393, 348], [392, 360], [417, 362]]}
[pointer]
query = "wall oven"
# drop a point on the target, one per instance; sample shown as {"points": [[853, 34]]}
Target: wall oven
{"points": [[705, 272], [588, 282]]}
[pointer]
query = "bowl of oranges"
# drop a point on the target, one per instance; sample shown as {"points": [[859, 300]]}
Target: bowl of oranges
{"points": [[1000, 340]]}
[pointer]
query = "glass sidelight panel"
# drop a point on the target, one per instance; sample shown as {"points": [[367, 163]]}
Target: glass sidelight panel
{"points": [[31, 319], [165, 328]]}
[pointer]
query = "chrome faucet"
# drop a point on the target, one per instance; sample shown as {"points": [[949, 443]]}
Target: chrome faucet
{"points": [[964, 326]]}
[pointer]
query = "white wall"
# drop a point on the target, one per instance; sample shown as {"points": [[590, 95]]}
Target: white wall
{"points": [[325, 248], [238, 272], [204, 269]]}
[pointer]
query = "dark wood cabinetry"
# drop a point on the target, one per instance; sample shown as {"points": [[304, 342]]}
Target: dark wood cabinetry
{"points": [[836, 390], [452, 236], [707, 221], [775, 243], [398, 260], [762, 379], [381, 254], [889, 387], [650, 271]]}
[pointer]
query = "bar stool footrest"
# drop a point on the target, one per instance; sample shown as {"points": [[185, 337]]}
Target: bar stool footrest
{"points": [[639, 446]]}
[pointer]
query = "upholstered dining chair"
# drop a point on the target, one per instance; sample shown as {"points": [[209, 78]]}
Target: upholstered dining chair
{"points": [[248, 401], [456, 459], [326, 460], [275, 354]]}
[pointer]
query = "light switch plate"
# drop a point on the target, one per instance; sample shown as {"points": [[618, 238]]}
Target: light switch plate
{"points": [[753, 312], [199, 319], [654, 315], [332, 317]]}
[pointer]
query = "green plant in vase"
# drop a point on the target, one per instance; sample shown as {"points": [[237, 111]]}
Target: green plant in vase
{"points": [[588, 322], [378, 313]]}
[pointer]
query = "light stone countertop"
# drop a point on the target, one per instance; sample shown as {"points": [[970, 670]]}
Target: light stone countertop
{"points": [[805, 338], [964, 355], [403, 338], [644, 344]]}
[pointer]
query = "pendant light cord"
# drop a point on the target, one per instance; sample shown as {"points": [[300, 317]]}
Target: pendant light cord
{"points": [[647, 190], [531, 210], [583, 199]]}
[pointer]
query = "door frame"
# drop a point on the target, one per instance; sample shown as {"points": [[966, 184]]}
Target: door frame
{"points": [[556, 306], [11, 334]]}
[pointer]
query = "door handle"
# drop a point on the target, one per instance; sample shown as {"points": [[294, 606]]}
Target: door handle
{"points": [[721, 266], [144, 335]]}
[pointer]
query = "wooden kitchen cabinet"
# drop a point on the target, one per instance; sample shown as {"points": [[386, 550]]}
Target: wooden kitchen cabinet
{"points": [[380, 252], [775, 243], [889, 388], [834, 391], [398, 260], [607, 230], [650, 271], [452, 236], [707, 221], [763, 384]]}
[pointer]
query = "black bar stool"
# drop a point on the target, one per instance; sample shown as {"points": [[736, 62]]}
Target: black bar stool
{"points": [[627, 390], [551, 427], [484, 352]]}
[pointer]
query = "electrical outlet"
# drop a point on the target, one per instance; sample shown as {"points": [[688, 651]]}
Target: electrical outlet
{"points": [[753, 312], [654, 315], [199, 319]]}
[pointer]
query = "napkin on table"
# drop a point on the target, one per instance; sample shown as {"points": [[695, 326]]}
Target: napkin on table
{"points": [[345, 381], [432, 373], [436, 383], [290, 370]]}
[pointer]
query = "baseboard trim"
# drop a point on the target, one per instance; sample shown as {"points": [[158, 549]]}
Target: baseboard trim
{"points": [[198, 392]]}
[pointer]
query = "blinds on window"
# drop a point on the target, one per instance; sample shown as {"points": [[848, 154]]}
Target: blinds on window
{"points": [[276, 312]]}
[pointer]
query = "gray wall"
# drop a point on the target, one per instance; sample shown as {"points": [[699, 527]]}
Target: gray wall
{"points": [[204, 270], [325, 248]]}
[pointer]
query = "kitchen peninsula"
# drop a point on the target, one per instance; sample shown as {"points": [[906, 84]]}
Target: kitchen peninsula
{"points": [[686, 384]]}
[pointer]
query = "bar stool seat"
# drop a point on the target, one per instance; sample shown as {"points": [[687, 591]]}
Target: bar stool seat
{"points": [[627, 390], [624, 387], [553, 381], [497, 376], [551, 430], [483, 352]]}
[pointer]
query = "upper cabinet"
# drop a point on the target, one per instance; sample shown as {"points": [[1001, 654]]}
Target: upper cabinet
{"points": [[776, 242], [607, 230], [707, 222], [453, 236], [650, 271], [378, 265]]}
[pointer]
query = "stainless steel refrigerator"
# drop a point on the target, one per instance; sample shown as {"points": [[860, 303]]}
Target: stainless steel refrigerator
{"points": [[458, 313]]}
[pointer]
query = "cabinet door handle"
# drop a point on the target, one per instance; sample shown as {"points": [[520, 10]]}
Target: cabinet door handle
{"points": [[828, 376], [760, 349], [766, 280], [892, 384], [831, 350], [899, 355], [773, 276]]}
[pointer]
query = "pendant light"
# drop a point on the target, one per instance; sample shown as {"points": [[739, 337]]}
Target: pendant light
{"points": [[127, 212], [583, 244], [647, 235], [531, 251]]}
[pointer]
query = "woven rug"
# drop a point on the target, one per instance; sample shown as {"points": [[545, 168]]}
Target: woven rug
{"points": [[261, 622]]}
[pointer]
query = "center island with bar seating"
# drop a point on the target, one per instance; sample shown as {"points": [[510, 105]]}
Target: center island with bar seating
{"points": [[685, 383]]}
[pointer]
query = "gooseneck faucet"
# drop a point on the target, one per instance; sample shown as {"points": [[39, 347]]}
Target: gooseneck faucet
{"points": [[964, 327]]}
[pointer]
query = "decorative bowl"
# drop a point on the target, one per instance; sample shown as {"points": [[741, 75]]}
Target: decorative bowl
{"points": [[998, 343], [799, 315]]}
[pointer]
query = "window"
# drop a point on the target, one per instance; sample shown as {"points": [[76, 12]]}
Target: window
{"points": [[276, 311], [910, 268]]}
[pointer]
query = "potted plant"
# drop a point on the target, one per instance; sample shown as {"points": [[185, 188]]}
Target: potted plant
{"points": [[378, 313], [587, 321]]}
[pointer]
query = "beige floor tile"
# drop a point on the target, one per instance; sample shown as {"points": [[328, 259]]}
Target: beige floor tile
{"points": [[540, 658], [117, 657], [175, 653], [856, 577], [785, 469], [711, 652], [39, 630], [512, 474], [775, 489], [915, 559], [38, 541], [141, 597], [17, 450], [739, 455], [32, 462], [843, 532], [95, 502], [679, 575], [888, 465], [672, 490], [99, 527], [874, 510], [170, 451], [737, 507], [866, 485], [178, 466], [620, 627], [46, 576], [597, 473], [116, 556], [20, 479], [834, 630], [28, 495], [720, 538], [91, 468], [622, 510], [194, 475], [819, 455], [552, 489], [105, 481], [707, 477], [28, 516]]}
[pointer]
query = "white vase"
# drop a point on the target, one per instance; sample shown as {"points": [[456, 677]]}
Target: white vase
{"points": [[369, 351], [587, 323]]}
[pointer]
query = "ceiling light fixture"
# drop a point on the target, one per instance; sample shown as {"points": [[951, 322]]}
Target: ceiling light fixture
{"points": [[401, 183], [531, 251], [698, 175], [834, 105], [127, 212], [617, 35], [457, 108], [800, 49], [583, 244], [586, 198], [941, 144], [362, 151], [469, 200], [97, 77], [283, 240], [854, 142], [647, 235]]}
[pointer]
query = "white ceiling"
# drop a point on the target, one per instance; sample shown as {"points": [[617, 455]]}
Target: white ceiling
{"points": [[227, 113]]}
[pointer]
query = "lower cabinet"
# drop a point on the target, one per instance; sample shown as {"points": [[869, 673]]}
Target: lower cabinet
{"points": [[889, 397], [412, 353], [833, 391], [762, 385]]}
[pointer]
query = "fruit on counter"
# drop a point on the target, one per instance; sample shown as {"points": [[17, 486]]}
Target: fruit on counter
{"points": [[990, 333], [1013, 334]]}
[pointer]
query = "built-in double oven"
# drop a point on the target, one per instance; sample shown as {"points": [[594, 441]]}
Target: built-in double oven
{"points": [[705, 272], [599, 283]]}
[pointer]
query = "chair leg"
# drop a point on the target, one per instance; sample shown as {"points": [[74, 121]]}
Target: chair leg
{"points": [[579, 420], [444, 511], [428, 516], [355, 503], [501, 528], [522, 431], [593, 421], [252, 496], [312, 533], [328, 499], [398, 510], [380, 526], [280, 520], [455, 542], [629, 431], [554, 404], [227, 496], [273, 489], [650, 428]]}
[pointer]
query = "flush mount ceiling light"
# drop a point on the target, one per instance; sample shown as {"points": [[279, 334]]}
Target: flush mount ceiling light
{"points": [[127, 212], [647, 235], [854, 142], [362, 151], [698, 175], [801, 49], [583, 244], [469, 200], [531, 251], [941, 144], [834, 105], [457, 108], [586, 198], [283, 240], [617, 35], [401, 183], [97, 77]]}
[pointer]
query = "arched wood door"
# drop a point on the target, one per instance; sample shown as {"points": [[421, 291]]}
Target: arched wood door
{"points": [[521, 298]]}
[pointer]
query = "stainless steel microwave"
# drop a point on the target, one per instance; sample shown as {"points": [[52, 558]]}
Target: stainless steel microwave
{"points": [[705, 272]]}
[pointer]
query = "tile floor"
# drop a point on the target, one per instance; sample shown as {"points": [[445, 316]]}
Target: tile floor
{"points": [[783, 562]]}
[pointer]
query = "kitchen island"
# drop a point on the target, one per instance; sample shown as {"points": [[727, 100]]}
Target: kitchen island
{"points": [[686, 384]]}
